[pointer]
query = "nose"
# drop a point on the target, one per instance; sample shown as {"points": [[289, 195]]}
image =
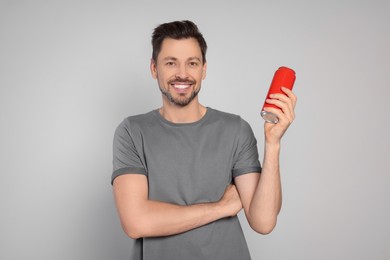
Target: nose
{"points": [[181, 72]]}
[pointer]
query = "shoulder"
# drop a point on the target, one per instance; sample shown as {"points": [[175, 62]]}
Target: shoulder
{"points": [[233, 123], [134, 123], [228, 118], [224, 116], [137, 120]]}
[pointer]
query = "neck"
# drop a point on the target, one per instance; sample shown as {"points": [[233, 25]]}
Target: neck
{"points": [[188, 114]]}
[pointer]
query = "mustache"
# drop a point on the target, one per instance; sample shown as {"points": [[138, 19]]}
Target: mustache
{"points": [[181, 80]]}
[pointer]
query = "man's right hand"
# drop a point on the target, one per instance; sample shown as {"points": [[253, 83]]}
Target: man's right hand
{"points": [[230, 201]]}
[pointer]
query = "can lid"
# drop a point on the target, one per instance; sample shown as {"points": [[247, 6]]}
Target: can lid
{"points": [[269, 117], [287, 69]]}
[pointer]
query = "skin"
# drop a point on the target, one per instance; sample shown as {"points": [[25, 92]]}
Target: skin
{"points": [[179, 71]]}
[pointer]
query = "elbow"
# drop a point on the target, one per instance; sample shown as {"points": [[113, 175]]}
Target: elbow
{"points": [[263, 227], [132, 230], [264, 230], [133, 233]]}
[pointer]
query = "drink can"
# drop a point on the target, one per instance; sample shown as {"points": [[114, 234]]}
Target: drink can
{"points": [[284, 77]]}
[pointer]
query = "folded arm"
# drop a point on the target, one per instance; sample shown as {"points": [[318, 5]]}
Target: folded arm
{"points": [[141, 217]]}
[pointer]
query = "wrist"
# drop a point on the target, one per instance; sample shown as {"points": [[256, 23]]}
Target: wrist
{"points": [[271, 150], [275, 144], [221, 208], [218, 209]]}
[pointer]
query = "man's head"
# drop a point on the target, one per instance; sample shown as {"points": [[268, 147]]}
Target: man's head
{"points": [[178, 62]]}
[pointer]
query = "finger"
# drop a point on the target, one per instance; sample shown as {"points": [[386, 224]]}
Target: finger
{"points": [[286, 107], [288, 96], [291, 95], [286, 100], [282, 124], [283, 118]]}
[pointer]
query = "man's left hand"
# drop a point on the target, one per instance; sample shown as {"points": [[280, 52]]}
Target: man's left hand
{"points": [[286, 115]]}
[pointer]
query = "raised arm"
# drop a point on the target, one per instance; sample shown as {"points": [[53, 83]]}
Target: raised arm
{"points": [[261, 194], [141, 217]]}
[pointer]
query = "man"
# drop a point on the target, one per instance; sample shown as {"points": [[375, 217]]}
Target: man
{"points": [[182, 172]]}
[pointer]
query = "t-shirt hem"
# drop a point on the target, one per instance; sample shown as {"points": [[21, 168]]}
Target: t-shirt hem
{"points": [[127, 170], [239, 172]]}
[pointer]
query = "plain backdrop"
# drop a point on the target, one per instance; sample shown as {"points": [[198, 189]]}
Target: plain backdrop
{"points": [[70, 71]]}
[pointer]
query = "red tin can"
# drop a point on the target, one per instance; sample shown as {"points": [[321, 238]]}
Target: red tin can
{"points": [[284, 77]]}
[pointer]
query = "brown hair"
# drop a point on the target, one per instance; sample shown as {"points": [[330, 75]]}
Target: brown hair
{"points": [[177, 30]]}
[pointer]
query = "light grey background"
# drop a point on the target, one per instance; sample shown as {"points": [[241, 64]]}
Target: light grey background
{"points": [[70, 71]]}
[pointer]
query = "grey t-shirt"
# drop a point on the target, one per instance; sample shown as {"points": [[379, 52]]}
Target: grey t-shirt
{"points": [[187, 164]]}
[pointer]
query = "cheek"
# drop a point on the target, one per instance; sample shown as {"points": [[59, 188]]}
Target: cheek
{"points": [[202, 75], [161, 82]]}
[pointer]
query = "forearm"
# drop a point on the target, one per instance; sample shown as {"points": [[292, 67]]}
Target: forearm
{"points": [[267, 198], [156, 218]]}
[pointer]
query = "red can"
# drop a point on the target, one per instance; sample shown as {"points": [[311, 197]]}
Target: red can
{"points": [[284, 77]]}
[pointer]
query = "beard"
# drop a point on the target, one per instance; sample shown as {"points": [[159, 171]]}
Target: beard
{"points": [[182, 100]]}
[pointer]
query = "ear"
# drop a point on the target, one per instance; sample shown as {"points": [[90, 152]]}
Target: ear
{"points": [[204, 70], [153, 68]]}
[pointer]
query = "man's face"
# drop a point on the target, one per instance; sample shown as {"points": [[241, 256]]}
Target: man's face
{"points": [[179, 70]]}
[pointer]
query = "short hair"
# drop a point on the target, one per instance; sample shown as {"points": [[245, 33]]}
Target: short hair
{"points": [[177, 30]]}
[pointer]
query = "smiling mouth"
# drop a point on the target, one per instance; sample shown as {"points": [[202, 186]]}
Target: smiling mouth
{"points": [[180, 85]]}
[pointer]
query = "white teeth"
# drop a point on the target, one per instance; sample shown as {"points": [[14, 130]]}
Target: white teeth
{"points": [[181, 86]]}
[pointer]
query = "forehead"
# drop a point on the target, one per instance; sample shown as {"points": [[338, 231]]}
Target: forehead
{"points": [[180, 49]]}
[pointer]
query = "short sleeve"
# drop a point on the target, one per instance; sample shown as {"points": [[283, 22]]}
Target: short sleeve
{"points": [[247, 156], [126, 157]]}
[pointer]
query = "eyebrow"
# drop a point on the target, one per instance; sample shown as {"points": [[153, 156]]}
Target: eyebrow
{"points": [[194, 58], [190, 58], [170, 58]]}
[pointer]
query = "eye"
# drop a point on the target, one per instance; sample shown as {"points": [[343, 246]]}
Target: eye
{"points": [[193, 64], [170, 64]]}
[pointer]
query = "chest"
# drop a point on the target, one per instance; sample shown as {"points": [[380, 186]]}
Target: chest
{"points": [[186, 167]]}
